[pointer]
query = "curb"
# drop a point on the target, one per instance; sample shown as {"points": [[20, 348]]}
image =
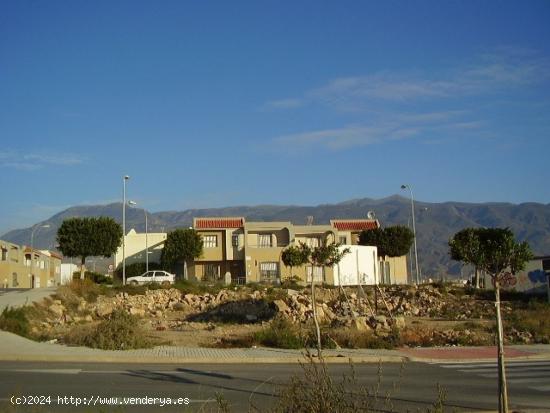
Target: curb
{"points": [[198, 360]]}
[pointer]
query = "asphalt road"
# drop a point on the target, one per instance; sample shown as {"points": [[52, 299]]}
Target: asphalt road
{"points": [[407, 387]]}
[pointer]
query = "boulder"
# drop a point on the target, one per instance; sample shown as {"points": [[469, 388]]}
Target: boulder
{"points": [[104, 309], [281, 306]]}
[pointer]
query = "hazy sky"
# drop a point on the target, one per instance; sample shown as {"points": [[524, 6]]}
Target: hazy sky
{"points": [[209, 104]]}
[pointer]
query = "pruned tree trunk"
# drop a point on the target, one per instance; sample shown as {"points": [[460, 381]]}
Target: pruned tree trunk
{"points": [[314, 303], [82, 262], [502, 388]]}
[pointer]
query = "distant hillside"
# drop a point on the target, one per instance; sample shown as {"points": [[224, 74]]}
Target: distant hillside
{"points": [[435, 222]]}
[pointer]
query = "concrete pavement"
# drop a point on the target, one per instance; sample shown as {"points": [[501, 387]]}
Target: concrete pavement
{"points": [[16, 348], [19, 297]]}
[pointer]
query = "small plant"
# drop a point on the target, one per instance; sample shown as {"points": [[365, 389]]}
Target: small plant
{"points": [[14, 320], [122, 331], [281, 333], [86, 289]]}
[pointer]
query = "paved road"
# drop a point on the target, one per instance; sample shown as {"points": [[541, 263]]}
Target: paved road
{"points": [[412, 387], [16, 298]]}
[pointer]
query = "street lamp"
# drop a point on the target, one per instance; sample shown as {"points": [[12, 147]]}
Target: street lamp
{"points": [[414, 232], [132, 203], [35, 228], [126, 177]]}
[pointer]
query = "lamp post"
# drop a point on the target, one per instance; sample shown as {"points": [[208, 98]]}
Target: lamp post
{"points": [[35, 228], [414, 232], [126, 177], [132, 203]]}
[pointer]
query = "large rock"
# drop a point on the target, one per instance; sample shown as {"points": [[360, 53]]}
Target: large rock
{"points": [[104, 309], [281, 306]]}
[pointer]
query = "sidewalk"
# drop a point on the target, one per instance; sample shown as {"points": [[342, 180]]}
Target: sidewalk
{"points": [[16, 348]]}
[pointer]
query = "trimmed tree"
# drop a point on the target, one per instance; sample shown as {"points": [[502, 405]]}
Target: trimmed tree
{"points": [[325, 255], [181, 246], [465, 246], [294, 256], [89, 237], [498, 253], [392, 241]]}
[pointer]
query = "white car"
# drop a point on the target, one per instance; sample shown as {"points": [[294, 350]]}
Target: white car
{"points": [[161, 277]]}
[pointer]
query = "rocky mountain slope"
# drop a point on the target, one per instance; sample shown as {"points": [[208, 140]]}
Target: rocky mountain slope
{"points": [[435, 222]]}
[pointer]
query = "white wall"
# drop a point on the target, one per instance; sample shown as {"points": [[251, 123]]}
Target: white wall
{"points": [[360, 266], [67, 271]]}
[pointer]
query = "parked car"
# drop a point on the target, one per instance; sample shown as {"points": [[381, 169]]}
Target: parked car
{"points": [[157, 276]]}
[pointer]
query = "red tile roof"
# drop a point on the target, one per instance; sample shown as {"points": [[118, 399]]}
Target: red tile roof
{"points": [[355, 224], [202, 223]]}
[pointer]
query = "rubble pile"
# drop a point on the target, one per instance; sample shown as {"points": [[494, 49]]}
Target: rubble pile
{"points": [[369, 309]]}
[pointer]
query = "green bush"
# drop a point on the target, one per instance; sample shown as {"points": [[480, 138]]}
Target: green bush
{"points": [[281, 333], [14, 320], [135, 269], [95, 277], [122, 331]]}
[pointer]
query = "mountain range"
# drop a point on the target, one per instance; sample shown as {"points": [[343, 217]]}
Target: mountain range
{"points": [[435, 222]]}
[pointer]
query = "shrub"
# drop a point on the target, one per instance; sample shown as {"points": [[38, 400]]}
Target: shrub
{"points": [[281, 333], [86, 289], [95, 277], [356, 339], [135, 269], [122, 331], [535, 319], [14, 320]]}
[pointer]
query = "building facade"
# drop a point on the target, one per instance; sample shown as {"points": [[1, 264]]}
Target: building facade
{"points": [[251, 251], [21, 267]]}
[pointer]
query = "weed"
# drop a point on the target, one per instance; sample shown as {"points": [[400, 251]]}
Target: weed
{"points": [[281, 333], [15, 320], [121, 331]]}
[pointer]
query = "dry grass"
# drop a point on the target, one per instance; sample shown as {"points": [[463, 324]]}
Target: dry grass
{"points": [[122, 331]]}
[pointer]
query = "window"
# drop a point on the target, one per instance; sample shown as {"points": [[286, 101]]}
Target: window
{"points": [[264, 240], [318, 273], [212, 271], [342, 239], [235, 240], [269, 271], [210, 241], [313, 242], [4, 254], [14, 282], [27, 260]]}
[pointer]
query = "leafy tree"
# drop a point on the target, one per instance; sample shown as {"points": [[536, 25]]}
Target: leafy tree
{"points": [[89, 237], [294, 256], [181, 245], [325, 255], [495, 251], [392, 241], [465, 246]]}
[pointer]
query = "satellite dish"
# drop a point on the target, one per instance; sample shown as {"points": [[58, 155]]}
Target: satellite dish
{"points": [[371, 215]]}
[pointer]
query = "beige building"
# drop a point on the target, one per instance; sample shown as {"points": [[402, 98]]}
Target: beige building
{"points": [[251, 251], [136, 244], [16, 270]]}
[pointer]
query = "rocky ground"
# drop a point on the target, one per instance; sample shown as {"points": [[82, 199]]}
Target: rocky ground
{"points": [[425, 315]]}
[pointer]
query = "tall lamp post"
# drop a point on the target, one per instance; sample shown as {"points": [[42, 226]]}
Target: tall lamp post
{"points": [[126, 177], [414, 232], [132, 203], [35, 228]]}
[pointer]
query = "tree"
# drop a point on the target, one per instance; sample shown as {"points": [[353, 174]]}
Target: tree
{"points": [[325, 255], [89, 237], [497, 253], [392, 241], [181, 245], [294, 256], [465, 246]]}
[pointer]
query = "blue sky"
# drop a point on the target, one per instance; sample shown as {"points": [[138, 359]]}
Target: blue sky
{"points": [[208, 104]]}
